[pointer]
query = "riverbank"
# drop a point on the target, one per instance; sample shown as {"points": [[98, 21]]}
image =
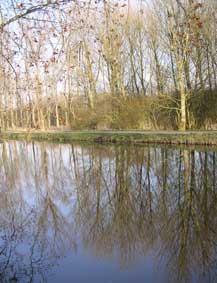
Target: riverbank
{"points": [[137, 137]]}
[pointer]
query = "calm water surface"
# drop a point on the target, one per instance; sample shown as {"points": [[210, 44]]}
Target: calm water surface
{"points": [[107, 214]]}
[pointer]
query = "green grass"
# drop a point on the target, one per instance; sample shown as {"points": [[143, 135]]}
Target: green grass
{"points": [[194, 138]]}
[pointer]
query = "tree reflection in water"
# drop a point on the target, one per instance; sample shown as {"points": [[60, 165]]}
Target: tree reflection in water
{"points": [[112, 201]]}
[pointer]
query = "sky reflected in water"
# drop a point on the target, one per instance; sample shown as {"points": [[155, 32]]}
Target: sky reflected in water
{"points": [[107, 214]]}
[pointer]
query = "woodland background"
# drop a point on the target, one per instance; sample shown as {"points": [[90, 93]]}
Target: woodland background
{"points": [[108, 64]]}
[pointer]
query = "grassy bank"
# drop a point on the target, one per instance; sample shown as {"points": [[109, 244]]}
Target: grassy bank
{"points": [[137, 137]]}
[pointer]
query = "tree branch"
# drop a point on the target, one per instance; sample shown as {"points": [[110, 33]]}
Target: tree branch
{"points": [[32, 10]]}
